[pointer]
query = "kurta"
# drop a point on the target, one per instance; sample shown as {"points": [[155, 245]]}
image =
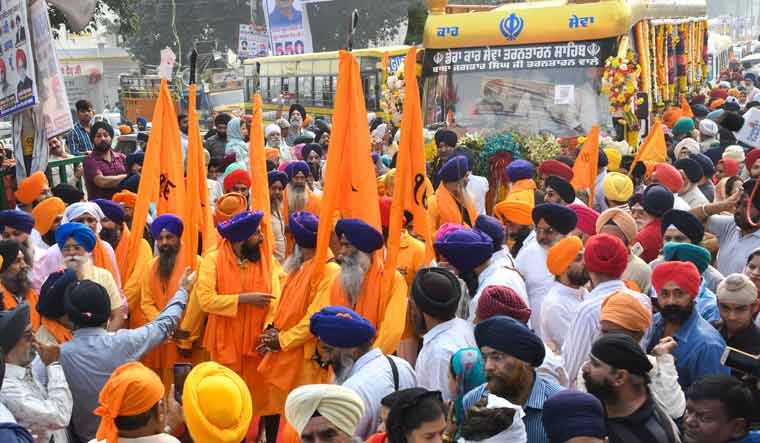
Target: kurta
{"points": [[443, 208], [233, 330], [144, 254], [293, 365], [31, 297]]}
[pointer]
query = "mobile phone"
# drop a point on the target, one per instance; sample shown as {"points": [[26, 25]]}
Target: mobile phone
{"points": [[180, 374], [741, 361]]}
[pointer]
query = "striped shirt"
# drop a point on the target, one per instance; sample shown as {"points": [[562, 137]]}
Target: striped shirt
{"points": [[78, 140], [543, 388]]}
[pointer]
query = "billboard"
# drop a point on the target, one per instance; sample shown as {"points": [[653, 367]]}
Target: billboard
{"points": [[288, 27]]}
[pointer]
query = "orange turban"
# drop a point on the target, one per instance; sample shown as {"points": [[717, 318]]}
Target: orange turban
{"points": [[127, 198], [132, 389], [125, 129], [513, 211], [228, 205], [562, 254], [671, 116], [626, 311], [46, 212], [31, 187], [716, 104]]}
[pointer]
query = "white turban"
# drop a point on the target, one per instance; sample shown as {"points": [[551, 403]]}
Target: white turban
{"points": [[340, 406], [738, 289], [734, 152], [77, 210], [379, 132], [708, 128], [272, 129], [690, 144]]}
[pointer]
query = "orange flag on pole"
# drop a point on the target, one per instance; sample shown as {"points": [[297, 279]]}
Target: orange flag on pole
{"points": [[350, 183], [409, 191], [685, 108], [260, 183], [199, 218], [654, 147], [586, 165], [163, 177]]}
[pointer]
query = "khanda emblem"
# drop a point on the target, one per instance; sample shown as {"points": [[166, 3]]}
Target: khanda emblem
{"points": [[511, 27]]}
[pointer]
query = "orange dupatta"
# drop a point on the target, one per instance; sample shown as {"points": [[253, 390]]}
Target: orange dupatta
{"points": [[372, 302], [9, 302], [102, 259], [61, 333], [451, 211], [121, 252]]}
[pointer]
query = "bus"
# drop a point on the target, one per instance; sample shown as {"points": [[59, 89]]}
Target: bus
{"points": [[537, 66], [225, 91], [139, 93], [311, 79]]}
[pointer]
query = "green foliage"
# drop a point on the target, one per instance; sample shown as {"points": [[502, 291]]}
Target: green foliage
{"points": [[416, 19]]}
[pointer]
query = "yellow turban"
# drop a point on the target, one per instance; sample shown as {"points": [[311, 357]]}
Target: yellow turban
{"points": [[132, 389], [340, 406], [126, 198], [125, 129], [614, 157], [46, 212], [626, 311], [513, 211], [31, 187], [562, 254], [617, 187], [217, 404]]}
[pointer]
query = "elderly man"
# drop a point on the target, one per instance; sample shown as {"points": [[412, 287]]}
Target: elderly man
{"points": [[553, 222], [737, 303], [14, 280], [91, 356], [43, 408], [605, 258], [359, 284], [345, 342], [700, 346], [273, 134], [619, 223], [18, 225], [238, 181], [277, 182], [47, 218], [516, 216], [104, 168], [236, 289], [512, 352], [297, 196], [451, 202], [324, 412]]}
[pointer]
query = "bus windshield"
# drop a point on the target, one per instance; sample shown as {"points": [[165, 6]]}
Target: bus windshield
{"points": [[233, 97]]}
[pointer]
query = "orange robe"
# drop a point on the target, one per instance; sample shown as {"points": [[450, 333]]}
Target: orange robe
{"points": [[443, 208], [293, 365], [233, 330], [411, 258], [386, 311], [313, 201], [61, 333], [102, 259], [131, 280], [9, 302]]}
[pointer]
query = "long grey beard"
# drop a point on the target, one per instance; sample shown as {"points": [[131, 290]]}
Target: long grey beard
{"points": [[296, 199], [294, 261], [352, 270], [343, 368]]}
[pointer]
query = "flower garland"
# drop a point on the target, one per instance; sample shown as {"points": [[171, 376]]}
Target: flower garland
{"points": [[474, 142], [392, 98], [621, 84], [538, 148]]}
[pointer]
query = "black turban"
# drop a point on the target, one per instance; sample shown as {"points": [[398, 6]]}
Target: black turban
{"points": [[87, 304], [100, 125], [621, 352], [685, 222], [13, 324], [436, 292], [657, 200], [691, 168], [68, 193], [51, 304], [562, 186], [511, 337], [708, 167], [731, 121], [560, 218], [446, 136]]}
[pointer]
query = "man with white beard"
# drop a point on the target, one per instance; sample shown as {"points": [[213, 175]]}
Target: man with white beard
{"points": [[76, 241], [345, 340], [297, 197]]}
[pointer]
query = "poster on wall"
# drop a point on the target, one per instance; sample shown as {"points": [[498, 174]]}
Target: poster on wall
{"points": [[252, 42], [288, 27], [18, 90], [52, 87]]}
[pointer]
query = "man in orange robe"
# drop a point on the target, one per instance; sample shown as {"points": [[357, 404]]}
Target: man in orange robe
{"points": [[451, 202], [359, 284], [14, 280], [239, 294], [297, 197]]}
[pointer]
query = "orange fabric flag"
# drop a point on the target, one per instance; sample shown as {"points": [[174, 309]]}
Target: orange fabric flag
{"points": [[654, 147], [199, 217], [350, 183], [586, 165], [163, 179], [409, 190], [260, 182], [685, 108]]}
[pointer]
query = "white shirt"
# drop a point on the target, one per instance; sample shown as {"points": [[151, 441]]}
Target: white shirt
{"points": [[372, 379], [680, 203], [496, 274], [438, 345], [503, 258], [39, 244], [5, 415], [553, 367], [158, 438], [531, 262], [558, 312], [478, 187], [694, 197], [215, 191], [585, 328], [44, 412]]}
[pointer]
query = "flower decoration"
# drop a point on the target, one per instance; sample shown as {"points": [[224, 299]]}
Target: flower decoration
{"points": [[538, 148], [392, 98], [621, 84]]}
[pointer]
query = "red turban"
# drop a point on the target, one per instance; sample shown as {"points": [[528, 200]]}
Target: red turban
{"points": [[385, 211], [557, 168], [682, 273], [238, 176], [752, 157], [718, 93], [730, 167], [668, 176], [606, 254], [501, 300]]}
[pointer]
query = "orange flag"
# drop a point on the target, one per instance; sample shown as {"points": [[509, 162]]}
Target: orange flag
{"points": [[654, 147], [260, 183], [685, 108], [163, 179], [350, 183], [199, 217], [409, 190], [586, 165]]}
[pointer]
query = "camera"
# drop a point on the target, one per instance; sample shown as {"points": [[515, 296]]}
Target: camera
{"points": [[741, 361]]}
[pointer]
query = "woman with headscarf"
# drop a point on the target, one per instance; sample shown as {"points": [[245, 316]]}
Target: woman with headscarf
{"points": [[411, 418], [236, 132], [466, 372]]}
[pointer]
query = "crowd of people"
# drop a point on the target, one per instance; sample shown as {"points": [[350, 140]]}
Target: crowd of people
{"points": [[548, 317]]}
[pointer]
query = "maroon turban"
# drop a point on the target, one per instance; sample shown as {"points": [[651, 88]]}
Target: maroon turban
{"points": [[501, 300], [557, 168]]}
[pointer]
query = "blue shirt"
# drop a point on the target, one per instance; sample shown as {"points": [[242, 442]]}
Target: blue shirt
{"points": [[78, 140], [699, 349], [752, 437], [278, 19], [707, 303], [543, 388]]}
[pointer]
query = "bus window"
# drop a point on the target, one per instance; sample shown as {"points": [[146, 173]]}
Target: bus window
{"points": [[264, 88], [305, 90], [275, 85], [289, 88], [371, 92], [319, 89]]}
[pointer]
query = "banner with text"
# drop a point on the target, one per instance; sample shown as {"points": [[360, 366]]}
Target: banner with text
{"points": [[18, 90], [252, 42], [288, 26]]}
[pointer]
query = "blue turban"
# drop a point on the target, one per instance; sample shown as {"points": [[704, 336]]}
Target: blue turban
{"points": [[168, 222], [295, 167], [687, 252], [685, 222], [375, 157], [511, 337], [716, 114], [570, 414], [520, 170], [561, 218], [454, 170], [360, 234], [493, 227], [304, 225], [131, 183], [341, 327], [603, 161], [465, 249], [110, 209], [241, 226], [708, 167], [16, 219], [135, 157], [277, 176], [141, 121], [79, 232], [750, 76], [50, 303], [657, 200]]}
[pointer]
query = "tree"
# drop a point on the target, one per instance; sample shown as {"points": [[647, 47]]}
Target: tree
{"points": [[377, 22], [416, 23], [125, 10]]}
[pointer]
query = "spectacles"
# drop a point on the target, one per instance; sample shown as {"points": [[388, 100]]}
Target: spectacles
{"points": [[546, 231]]}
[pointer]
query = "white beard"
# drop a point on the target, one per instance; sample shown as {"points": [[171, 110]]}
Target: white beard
{"points": [[342, 372], [297, 199], [294, 261], [352, 270]]}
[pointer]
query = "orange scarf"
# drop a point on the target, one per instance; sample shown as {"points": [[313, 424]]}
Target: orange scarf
{"points": [[61, 333], [230, 339], [102, 259], [371, 303], [121, 254], [451, 211], [9, 302]]}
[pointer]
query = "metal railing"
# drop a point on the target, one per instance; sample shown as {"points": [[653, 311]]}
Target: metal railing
{"points": [[59, 165]]}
